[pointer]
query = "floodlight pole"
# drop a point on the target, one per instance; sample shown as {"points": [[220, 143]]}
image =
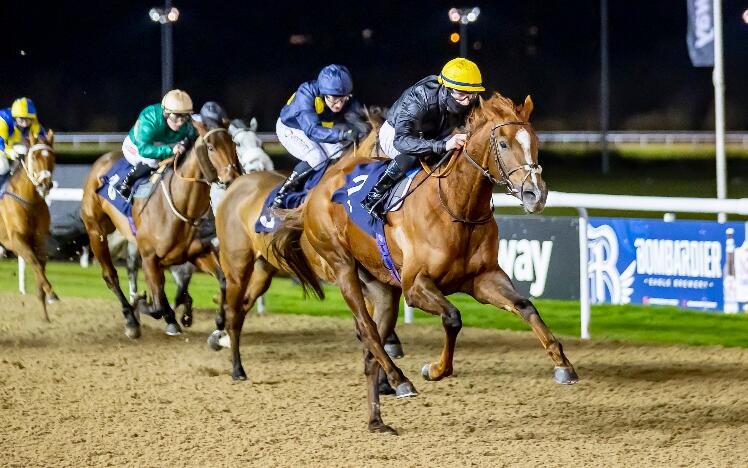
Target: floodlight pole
{"points": [[463, 39], [167, 53], [604, 87]]}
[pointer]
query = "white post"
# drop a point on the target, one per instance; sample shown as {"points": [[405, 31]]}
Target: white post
{"points": [[21, 275], [718, 78], [85, 256], [584, 281], [260, 305], [408, 311]]}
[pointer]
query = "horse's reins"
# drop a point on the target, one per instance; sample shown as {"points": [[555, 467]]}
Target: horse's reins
{"points": [[197, 179], [497, 148], [167, 192]]}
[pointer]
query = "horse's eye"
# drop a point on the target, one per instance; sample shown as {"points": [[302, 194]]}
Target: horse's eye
{"points": [[503, 144], [211, 148]]}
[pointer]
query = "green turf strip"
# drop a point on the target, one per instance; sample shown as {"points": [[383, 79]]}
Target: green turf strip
{"points": [[665, 325]]}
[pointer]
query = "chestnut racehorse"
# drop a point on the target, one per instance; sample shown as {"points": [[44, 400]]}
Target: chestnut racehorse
{"points": [[165, 223], [249, 265], [443, 241], [24, 214]]}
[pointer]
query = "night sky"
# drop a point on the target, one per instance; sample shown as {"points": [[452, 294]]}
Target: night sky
{"points": [[92, 65]]}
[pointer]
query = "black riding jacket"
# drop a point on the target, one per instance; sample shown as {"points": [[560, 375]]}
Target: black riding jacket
{"points": [[422, 120]]}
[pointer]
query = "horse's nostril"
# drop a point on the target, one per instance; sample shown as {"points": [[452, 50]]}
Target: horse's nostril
{"points": [[529, 196]]}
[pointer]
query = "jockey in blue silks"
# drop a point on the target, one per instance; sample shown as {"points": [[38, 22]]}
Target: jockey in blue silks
{"points": [[313, 126]]}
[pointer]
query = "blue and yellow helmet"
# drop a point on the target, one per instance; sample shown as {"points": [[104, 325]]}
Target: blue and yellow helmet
{"points": [[335, 80], [23, 108]]}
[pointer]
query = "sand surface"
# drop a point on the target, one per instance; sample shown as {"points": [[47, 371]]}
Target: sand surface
{"points": [[77, 392]]}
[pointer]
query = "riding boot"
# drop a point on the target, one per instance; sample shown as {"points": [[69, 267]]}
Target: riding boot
{"points": [[136, 172], [298, 176], [371, 203]]}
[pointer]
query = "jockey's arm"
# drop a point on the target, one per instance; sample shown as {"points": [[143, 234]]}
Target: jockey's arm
{"points": [[407, 139], [309, 120], [145, 141]]}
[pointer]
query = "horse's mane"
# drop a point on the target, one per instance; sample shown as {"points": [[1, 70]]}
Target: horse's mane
{"points": [[495, 108], [375, 117]]}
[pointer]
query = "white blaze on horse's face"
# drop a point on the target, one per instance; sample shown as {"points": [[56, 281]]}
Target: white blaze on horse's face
{"points": [[523, 138]]}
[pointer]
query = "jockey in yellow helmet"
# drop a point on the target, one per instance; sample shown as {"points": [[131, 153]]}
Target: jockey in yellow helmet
{"points": [[162, 130], [16, 124], [420, 123]]}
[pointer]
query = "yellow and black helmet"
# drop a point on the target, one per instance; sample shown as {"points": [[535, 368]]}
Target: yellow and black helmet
{"points": [[461, 74]]}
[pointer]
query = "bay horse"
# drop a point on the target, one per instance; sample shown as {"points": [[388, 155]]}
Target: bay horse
{"points": [[443, 240], [166, 223], [24, 213]]}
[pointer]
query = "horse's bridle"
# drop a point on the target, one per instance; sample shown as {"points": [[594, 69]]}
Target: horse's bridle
{"points": [[216, 179], [36, 178], [498, 148]]}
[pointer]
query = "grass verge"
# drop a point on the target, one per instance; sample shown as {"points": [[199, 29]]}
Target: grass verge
{"points": [[640, 324]]}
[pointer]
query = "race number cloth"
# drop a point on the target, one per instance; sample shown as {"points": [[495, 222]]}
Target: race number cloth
{"points": [[4, 178], [357, 184], [110, 183], [267, 222]]}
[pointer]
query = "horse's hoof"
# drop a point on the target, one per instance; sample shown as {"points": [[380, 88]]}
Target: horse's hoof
{"points": [[565, 375], [214, 340], [381, 428], [172, 329], [239, 374], [394, 350], [52, 298], [154, 314], [186, 320], [384, 388], [225, 341], [425, 372], [406, 390], [186, 315], [132, 332]]}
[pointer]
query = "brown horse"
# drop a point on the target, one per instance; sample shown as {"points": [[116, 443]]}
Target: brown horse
{"points": [[443, 241], [249, 265], [25, 214], [165, 223]]}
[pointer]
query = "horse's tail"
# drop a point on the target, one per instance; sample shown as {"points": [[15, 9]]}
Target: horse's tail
{"points": [[285, 246]]}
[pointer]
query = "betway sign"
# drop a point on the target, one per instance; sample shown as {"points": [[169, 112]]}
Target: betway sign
{"points": [[541, 255]]}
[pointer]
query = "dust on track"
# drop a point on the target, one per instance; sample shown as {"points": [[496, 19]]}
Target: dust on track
{"points": [[77, 392]]}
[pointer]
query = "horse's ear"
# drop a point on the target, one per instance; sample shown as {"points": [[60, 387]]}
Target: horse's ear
{"points": [[32, 138], [525, 109], [50, 137], [201, 128], [253, 124]]}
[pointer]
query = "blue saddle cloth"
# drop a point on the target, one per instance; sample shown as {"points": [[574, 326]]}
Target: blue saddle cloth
{"points": [[267, 222], [357, 185], [109, 188], [4, 178]]}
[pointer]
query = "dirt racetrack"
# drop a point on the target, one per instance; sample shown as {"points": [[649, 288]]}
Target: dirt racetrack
{"points": [[77, 392]]}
